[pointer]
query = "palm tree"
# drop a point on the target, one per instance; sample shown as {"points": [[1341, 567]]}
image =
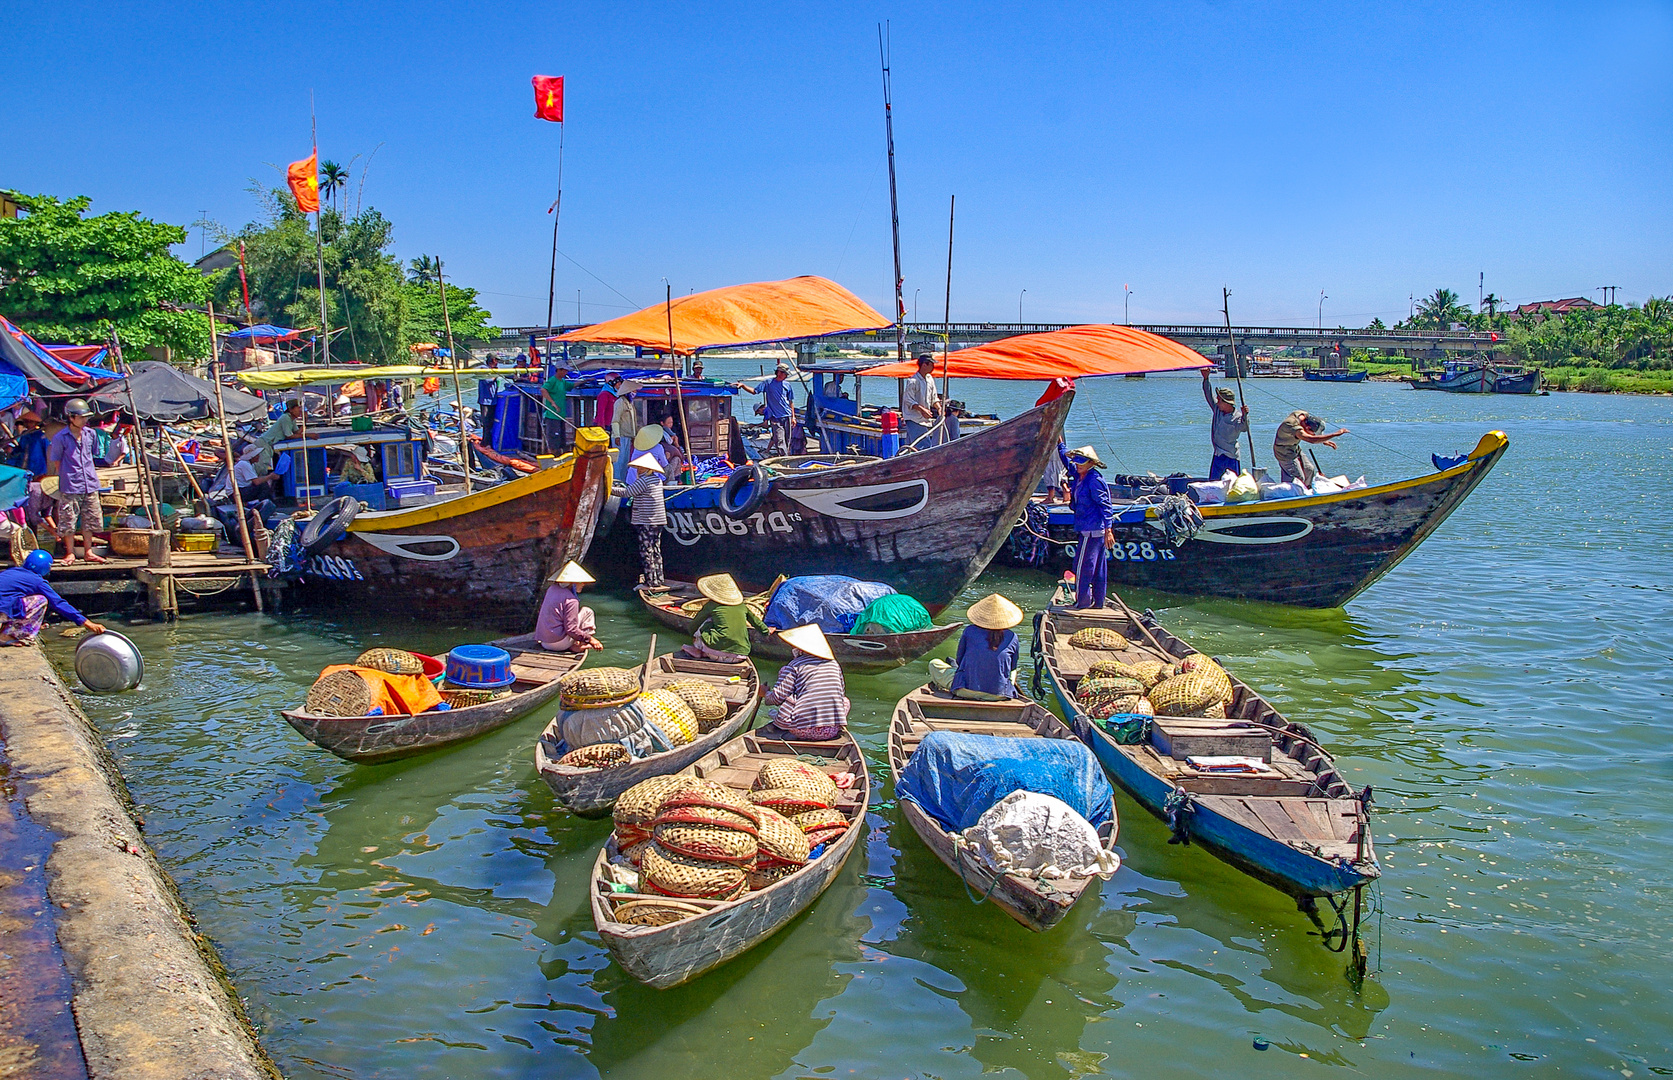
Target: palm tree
{"points": [[332, 178], [1442, 309], [422, 268], [1491, 302]]}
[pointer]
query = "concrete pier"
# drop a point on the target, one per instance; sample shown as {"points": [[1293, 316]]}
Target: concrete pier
{"points": [[147, 995]]}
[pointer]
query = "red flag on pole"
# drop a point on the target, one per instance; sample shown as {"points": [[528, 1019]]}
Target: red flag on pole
{"points": [[303, 177], [548, 97]]}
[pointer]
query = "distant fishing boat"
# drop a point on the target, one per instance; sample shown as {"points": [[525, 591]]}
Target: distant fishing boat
{"points": [[1338, 375], [1458, 377], [1517, 380]]}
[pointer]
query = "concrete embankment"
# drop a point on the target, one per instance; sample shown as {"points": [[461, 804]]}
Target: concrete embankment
{"points": [[149, 997]]}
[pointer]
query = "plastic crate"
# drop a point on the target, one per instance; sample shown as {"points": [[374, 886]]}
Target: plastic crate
{"points": [[370, 494]]}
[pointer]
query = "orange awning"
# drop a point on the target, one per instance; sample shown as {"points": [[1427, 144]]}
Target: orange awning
{"points": [[1074, 353], [801, 307]]}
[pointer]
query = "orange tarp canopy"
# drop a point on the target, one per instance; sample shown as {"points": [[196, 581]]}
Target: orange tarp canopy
{"points": [[801, 307], [1074, 353]]}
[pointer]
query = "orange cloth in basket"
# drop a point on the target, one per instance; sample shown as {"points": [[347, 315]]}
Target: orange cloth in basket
{"points": [[397, 695]]}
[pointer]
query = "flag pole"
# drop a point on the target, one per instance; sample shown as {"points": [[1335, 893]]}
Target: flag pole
{"points": [[324, 325], [232, 463], [1237, 366], [679, 371], [458, 399], [556, 210]]}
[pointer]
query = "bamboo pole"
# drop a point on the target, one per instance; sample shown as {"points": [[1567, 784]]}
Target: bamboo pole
{"points": [[679, 371], [1237, 368], [148, 496], [458, 398], [883, 51], [226, 444], [947, 312]]}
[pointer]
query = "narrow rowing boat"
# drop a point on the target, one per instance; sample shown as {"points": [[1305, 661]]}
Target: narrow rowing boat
{"points": [[1290, 819], [592, 792], [716, 931], [372, 739], [677, 604], [1037, 903]]}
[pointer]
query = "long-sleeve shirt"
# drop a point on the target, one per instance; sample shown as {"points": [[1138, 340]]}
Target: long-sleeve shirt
{"points": [[726, 627], [562, 616], [1223, 426], [983, 668], [646, 493], [17, 584], [811, 698], [1090, 496], [604, 413]]}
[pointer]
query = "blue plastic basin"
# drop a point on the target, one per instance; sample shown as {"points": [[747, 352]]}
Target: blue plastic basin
{"points": [[479, 667]]}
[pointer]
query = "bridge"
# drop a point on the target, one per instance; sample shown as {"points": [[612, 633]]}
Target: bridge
{"points": [[1416, 344]]}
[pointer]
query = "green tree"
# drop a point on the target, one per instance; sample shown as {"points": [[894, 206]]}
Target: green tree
{"points": [[1441, 310], [1376, 324], [71, 278], [424, 318], [422, 268], [332, 179]]}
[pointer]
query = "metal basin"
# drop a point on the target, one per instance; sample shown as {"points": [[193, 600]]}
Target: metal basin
{"points": [[108, 663]]}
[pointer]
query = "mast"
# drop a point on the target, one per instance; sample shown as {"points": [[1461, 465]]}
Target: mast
{"points": [[1237, 365], [947, 312], [458, 399], [894, 204]]}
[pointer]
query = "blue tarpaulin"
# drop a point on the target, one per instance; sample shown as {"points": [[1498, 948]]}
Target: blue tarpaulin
{"points": [[830, 600], [263, 333], [954, 777], [14, 387], [14, 485]]}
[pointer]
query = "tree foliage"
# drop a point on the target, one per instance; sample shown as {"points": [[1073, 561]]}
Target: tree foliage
{"points": [[66, 277]]}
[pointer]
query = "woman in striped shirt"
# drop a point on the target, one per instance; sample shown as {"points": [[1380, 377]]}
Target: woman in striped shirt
{"points": [[649, 516], [812, 702]]}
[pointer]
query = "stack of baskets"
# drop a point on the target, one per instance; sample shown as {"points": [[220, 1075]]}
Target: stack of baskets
{"points": [[668, 711], [1202, 688], [804, 795], [703, 844], [1195, 687], [598, 688], [705, 701]]}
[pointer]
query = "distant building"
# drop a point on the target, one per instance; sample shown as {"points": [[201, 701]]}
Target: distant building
{"points": [[1553, 307], [8, 208]]}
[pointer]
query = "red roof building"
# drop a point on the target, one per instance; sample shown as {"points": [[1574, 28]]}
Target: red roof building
{"points": [[1554, 307]]}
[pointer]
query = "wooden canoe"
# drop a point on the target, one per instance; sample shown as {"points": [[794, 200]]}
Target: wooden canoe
{"points": [[1299, 826], [664, 956], [592, 792], [676, 603], [1035, 903], [482, 557], [371, 739], [1318, 551]]}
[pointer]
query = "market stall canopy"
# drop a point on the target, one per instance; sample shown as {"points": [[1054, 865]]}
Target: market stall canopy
{"points": [[262, 334], [754, 314], [87, 355], [1074, 353], [48, 373], [163, 392], [269, 378]]}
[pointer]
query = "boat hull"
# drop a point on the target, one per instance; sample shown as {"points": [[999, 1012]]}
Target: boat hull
{"points": [[1474, 381], [1526, 382], [1317, 552], [1314, 375], [481, 557], [926, 523]]}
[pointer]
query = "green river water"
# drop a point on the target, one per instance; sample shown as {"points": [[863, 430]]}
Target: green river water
{"points": [[1505, 691]]}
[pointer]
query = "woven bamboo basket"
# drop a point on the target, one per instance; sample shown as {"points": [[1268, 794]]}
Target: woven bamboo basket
{"points": [[654, 912], [780, 840], [1191, 693], [710, 843], [695, 809], [1109, 668], [704, 700], [341, 693], [809, 820], [598, 688], [1106, 685], [1109, 705], [788, 772], [639, 804], [464, 698], [393, 661], [19, 540], [1101, 638], [1151, 672], [681, 875], [130, 543], [667, 711], [825, 834], [763, 876], [607, 755]]}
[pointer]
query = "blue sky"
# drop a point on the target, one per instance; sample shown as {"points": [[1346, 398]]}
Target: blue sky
{"points": [[1366, 151]]}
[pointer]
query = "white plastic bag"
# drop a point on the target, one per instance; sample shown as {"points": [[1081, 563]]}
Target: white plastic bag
{"points": [[1039, 836], [1243, 489], [1286, 490], [1208, 493], [1356, 485], [623, 724]]}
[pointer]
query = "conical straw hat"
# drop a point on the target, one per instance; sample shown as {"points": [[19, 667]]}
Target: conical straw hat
{"points": [[994, 612], [647, 462], [647, 437], [809, 639], [571, 574], [1090, 455], [720, 588]]}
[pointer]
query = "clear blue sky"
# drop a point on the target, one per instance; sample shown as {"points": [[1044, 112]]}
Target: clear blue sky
{"points": [[1368, 151]]}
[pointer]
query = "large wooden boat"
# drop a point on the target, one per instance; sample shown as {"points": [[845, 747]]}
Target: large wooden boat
{"points": [[1342, 375], [1458, 377], [1296, 824], [372, 739], [678, 603], [1036, 903], [677, 952], [926, 523], [479, 557], [592, 792], [1320, 551], [1517, 380]]}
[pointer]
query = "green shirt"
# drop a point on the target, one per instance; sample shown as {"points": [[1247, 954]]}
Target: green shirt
{"points": [[727, 627], [557, 388]]}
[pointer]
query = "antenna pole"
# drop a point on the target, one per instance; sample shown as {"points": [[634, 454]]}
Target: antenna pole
{"points": [[894, 203], [1237, 365]]}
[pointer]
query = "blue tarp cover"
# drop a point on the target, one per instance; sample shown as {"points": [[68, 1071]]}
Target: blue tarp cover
{"points": [[954, 777], [831, 600], [14, 485]]}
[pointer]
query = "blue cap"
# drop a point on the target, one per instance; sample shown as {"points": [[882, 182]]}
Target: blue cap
{"points": [[38, 562]]}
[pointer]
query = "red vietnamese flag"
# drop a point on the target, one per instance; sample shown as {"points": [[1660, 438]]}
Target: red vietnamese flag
{"points": [[303, 177], [548, 97]]}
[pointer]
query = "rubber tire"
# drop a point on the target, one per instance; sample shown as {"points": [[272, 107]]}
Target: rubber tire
{"points": [[760, 483], [329, 525]]}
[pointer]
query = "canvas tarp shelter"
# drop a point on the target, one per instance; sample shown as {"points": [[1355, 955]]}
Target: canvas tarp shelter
{"points": [[164, 393], [1073, 353]]}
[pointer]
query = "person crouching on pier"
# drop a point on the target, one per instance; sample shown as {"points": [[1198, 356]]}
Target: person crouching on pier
{"points": [[25, 597], [811, 698], [1094, 521], [649, 516]]}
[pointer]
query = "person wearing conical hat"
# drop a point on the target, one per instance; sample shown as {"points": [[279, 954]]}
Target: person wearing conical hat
{"points": [[1094, 523], [985, 667], [649, 517], [563, 625], [723, 623], [809, 703]]}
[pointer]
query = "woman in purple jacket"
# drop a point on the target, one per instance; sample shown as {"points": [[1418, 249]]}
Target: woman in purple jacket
{"points": [[1094, 518]]}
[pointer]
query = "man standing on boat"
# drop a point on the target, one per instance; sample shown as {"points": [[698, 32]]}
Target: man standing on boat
{"points": [[1297, 428], [920, 406], [69, 457], [554, 393], [1226, 424], [780, 408]]}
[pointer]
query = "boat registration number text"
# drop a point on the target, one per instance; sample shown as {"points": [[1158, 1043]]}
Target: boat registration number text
{"points": [[688, 526]]}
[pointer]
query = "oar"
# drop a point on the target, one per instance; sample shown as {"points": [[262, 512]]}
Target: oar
{"points": [[1135, 620], [645, 672]]}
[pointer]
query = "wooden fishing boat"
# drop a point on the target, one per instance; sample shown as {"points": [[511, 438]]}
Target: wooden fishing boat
{"points": [[372, 739], [1517, 380], [676, 605], [592, 792], [480, 557], [1342, 375], [1458, 377], [1318, 551], [926, 523], [1035, 903], [1293, 823], [678, 952]]}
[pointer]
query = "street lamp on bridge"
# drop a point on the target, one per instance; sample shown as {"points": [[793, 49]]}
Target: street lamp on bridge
{"points": [[1126, 298], [1019, 306], [1322, 299]]}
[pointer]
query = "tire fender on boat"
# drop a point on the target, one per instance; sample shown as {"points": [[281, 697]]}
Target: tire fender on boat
{"points": [[759, 485], [329, 525]]}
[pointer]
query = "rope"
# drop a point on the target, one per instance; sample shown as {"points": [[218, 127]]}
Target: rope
{"points": [[205, 586], [1176, 810], [958, 860], [1355, 434]]}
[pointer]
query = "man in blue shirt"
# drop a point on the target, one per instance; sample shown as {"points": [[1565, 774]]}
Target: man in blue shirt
{"points": [[25, 597], [1094, 521], [780, 408]]}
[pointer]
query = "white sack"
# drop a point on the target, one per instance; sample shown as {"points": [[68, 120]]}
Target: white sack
{"points": [[1039, 836], [1208, 492], [623, 724]]}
